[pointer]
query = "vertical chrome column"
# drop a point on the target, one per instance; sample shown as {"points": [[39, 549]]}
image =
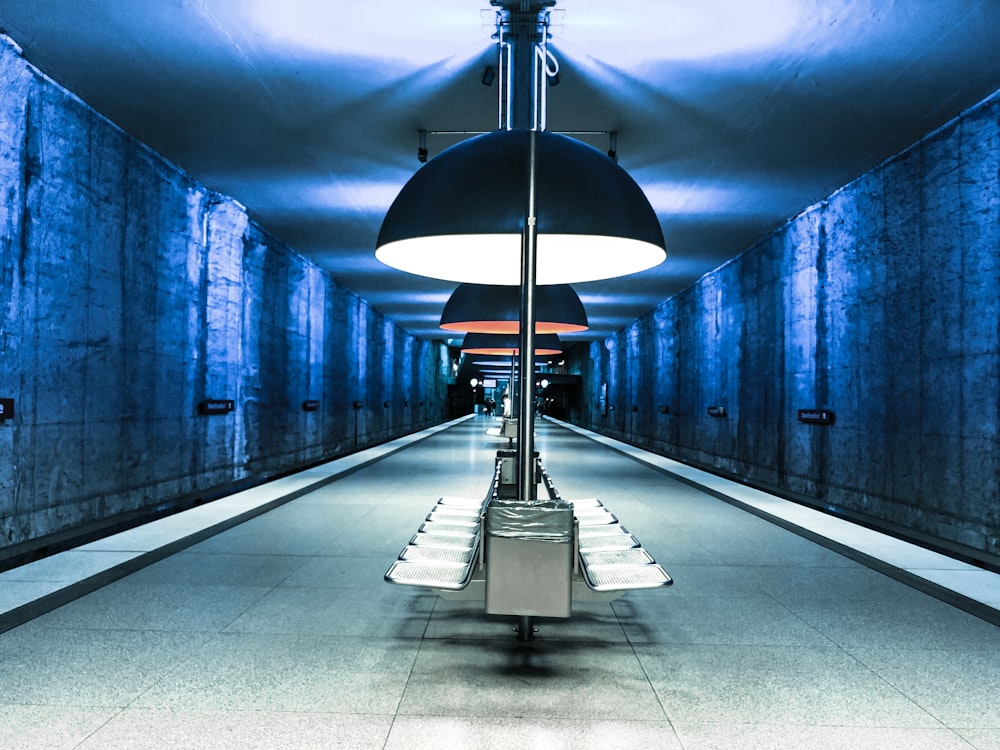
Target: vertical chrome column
{"points": [[526, 32], [527, 488]]}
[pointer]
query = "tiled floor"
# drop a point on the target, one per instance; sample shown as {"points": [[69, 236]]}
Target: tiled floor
{"points": [[280, 632]]}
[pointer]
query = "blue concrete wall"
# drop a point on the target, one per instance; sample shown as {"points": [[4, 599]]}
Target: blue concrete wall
{"points": [[129, 294], [882, 303]]}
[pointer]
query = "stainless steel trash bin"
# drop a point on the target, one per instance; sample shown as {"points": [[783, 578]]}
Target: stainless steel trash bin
{"points": [[529, 558]]}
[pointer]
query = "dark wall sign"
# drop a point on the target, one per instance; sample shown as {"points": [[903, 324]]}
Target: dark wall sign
{"points": [[816, 416], [6, 408], [310, 405], [216, 406], [717, 411]]}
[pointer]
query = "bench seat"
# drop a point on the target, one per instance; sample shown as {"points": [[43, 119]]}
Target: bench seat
{"points": [[444, 551], [610, 557]]}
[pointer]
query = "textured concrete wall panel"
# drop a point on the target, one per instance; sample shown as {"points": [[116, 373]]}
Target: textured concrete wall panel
{"points": [[129, 295], [881, 303]]}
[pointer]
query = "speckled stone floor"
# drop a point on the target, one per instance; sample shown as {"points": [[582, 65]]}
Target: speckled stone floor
{"points": [[279, 632]]}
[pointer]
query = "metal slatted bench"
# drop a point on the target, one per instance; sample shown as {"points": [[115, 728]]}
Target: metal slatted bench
{"points": [[610, 558], [444, 551]]}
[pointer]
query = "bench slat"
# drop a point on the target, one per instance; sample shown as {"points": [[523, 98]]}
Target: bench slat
{"points": [[437, 576], [608, 542], [412, 553], [620, 577], [634, 556]]}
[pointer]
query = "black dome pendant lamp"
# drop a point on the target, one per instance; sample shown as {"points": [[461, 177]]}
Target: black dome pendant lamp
{"points": [[485, 308], [460, 216]]}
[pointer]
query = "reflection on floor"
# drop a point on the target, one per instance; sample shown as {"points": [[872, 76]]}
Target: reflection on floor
{"points": [[279, 631]]}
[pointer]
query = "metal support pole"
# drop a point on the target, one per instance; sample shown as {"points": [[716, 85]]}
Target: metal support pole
{"points": [[525, 628], [526, 487], [525, 31]]}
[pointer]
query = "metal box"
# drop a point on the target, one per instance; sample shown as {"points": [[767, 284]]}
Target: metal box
{"points": [[529, 559]]}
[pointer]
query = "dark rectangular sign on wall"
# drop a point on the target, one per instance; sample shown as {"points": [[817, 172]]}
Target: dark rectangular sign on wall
{"points": [[6, 408], [216, 406], [717, 411], [311, 405], [816, 416]]}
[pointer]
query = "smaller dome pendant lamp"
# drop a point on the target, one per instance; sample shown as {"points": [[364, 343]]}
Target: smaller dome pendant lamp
{"points": [[487, 308]]}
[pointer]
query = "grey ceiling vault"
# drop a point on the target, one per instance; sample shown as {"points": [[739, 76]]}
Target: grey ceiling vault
{"points": [[732, 116]]}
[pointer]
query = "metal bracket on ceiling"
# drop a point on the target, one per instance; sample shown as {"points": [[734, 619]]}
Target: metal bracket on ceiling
{"points": [[423, 153]]}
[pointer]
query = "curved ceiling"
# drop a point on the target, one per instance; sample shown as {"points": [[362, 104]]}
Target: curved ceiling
{"points": [[732, 116]]}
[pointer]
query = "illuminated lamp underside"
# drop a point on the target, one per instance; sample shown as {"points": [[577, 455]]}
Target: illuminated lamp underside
{"points": [[508, 344]]}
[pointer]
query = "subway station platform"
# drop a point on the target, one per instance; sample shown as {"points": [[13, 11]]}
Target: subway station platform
{"points": [[262, 621]]}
